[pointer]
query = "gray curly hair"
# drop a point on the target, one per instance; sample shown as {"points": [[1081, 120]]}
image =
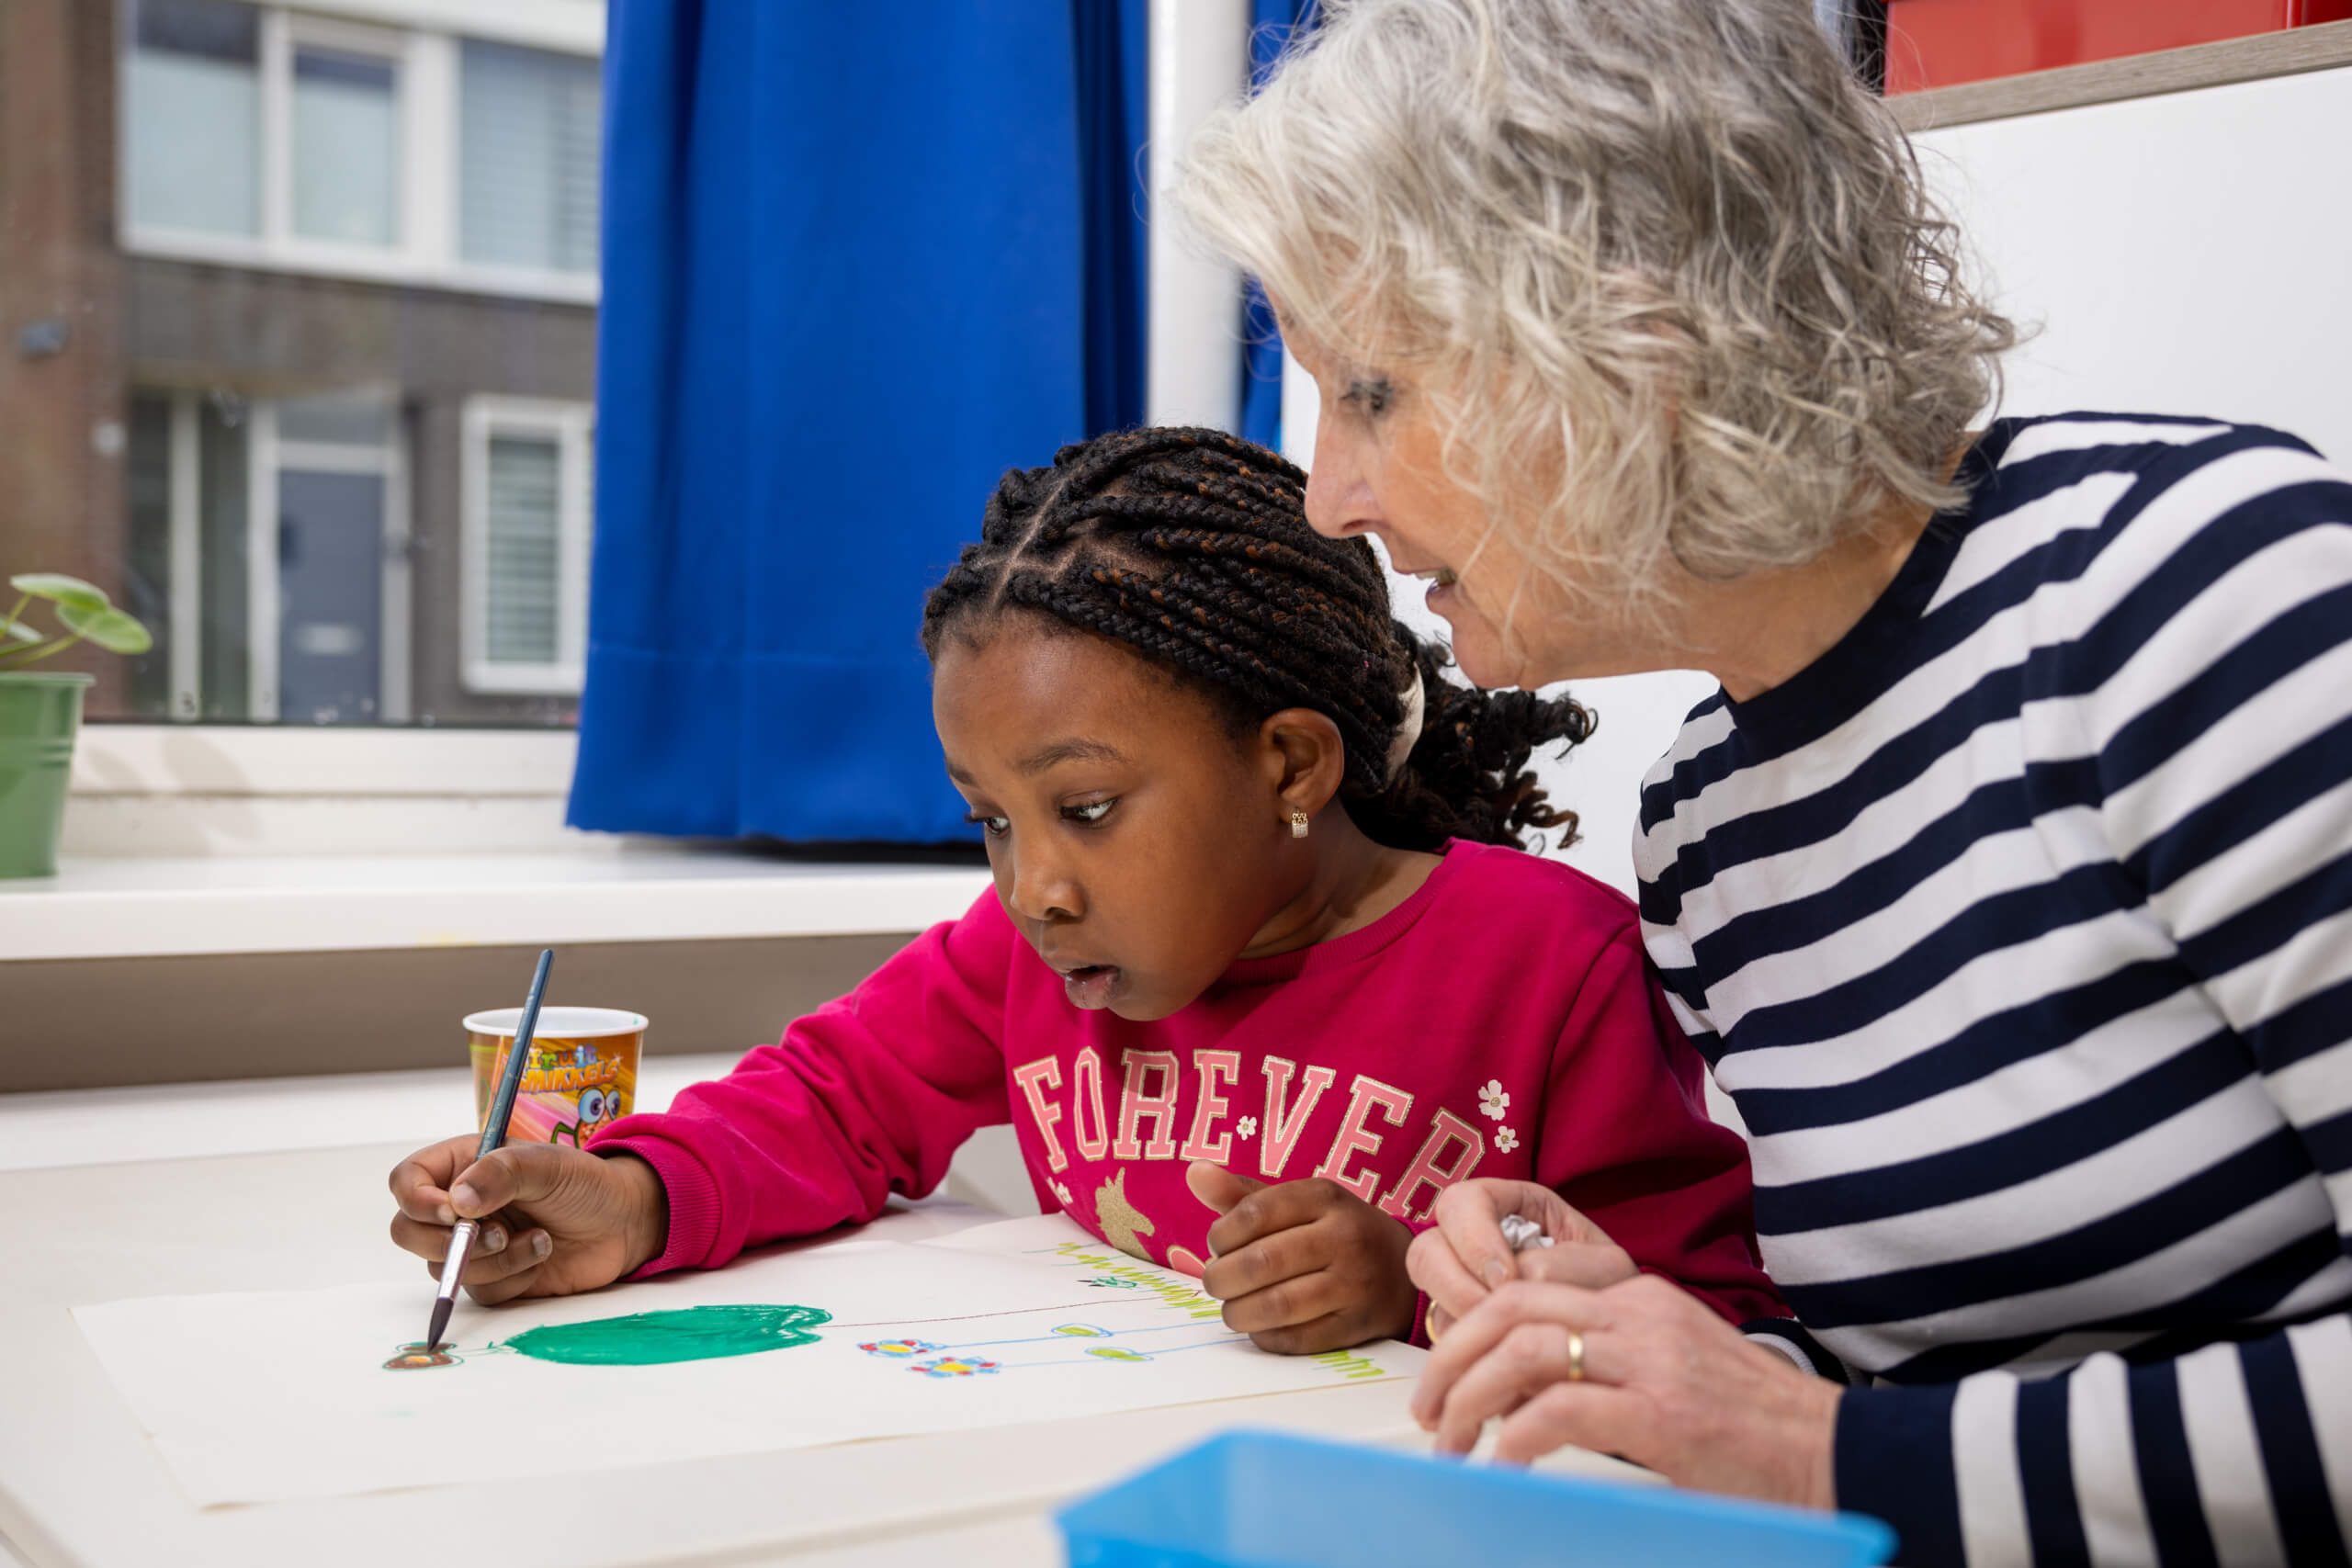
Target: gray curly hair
{"points": [[1669, 271]]}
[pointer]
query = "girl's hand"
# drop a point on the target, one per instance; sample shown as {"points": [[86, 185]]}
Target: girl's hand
{"points": [[1464, 1256], [559, 1221], [1302, 1266], [1666, 1383]]}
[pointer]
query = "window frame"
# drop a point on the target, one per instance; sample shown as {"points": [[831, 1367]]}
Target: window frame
{"points": [[428, 251], [572, 425]]}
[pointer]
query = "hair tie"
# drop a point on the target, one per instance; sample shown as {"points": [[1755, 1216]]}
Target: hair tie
{"points": [[1408, 729]]}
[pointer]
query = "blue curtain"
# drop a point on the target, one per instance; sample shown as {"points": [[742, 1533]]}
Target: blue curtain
{"points": [[858, 260], [1113, 109], [1272, 24]]}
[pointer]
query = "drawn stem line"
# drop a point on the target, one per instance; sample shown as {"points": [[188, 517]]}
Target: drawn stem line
{"points": [[974, 1316], [1097, 1361], [1065, 1338]]}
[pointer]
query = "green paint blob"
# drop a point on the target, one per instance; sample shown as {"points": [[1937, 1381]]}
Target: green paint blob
{"points": [[654, 1338]]}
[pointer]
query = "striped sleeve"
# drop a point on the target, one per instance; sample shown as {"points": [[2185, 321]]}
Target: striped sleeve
{"points": [[2215, 701], [2235, 1453]]}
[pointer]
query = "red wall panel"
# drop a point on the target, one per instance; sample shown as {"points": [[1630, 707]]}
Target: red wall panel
{"points": [[1933, 43]]}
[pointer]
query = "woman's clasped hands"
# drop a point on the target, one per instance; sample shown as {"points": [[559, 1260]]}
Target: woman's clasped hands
{"points": [[1571, 1343]]}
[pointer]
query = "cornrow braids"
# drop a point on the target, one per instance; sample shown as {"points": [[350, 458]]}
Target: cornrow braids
{"points": [[1193, 547]]}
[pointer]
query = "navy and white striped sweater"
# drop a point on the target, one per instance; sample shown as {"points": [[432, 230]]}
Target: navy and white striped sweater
{"points": [[2019, 926]]}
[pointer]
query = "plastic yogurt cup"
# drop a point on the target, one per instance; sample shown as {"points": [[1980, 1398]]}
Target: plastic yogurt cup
{"points": [[581, 1075]]}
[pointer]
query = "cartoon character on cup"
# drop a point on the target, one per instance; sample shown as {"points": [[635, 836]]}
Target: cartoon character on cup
{"points": [[596, 1106]]}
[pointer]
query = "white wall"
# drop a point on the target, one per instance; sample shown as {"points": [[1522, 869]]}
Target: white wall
{"points": [[2189, 253]]}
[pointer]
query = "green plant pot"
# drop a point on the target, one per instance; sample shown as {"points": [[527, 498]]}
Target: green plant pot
{"points": [[40, 715]]}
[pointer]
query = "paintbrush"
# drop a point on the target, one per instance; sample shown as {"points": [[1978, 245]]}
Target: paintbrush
{"points": [[494, 1133]]}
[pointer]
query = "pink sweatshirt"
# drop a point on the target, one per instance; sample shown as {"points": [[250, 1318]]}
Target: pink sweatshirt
{"points": [[1499, 1021]]}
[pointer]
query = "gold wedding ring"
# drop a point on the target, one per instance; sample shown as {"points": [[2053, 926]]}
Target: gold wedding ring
{"points": [[1576, 1357]]}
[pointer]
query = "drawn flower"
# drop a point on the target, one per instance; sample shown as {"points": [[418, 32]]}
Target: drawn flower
{"points": [[1506, 1140], [1246, 1128], [1492, 1101], [899, 1348], [954, 1367]]}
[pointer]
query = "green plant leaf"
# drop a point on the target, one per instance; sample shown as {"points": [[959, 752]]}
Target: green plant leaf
{"points": [[64, 589], [17, 631], [108, 628]]}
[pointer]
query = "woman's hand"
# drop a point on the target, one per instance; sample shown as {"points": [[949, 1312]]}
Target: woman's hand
{"points": [[1665, 1382], [1304, 1265], [1465, 1257], [557, 1221]]}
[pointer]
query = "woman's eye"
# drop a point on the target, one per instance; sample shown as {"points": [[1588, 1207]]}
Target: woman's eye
{"points": [[1372, 396], [1092, 812], [994, 827]]}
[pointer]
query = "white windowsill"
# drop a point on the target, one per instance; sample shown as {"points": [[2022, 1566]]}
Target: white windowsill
{"points": [[139, 908], [196, 838]]}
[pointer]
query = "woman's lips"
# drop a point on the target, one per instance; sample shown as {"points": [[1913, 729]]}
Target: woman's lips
{"points": [[1094, 985], [1442, 590]]}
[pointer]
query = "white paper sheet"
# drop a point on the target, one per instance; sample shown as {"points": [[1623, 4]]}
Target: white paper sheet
{"points": [[258, 1396]]}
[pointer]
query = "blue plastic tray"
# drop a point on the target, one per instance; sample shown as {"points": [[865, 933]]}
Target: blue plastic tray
{"points": [[1264, 1500]]}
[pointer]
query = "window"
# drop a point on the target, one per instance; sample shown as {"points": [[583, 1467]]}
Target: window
{"points": [[264, 130], [345, 147], [527, 537], [528, 125], [282, 137], [193, 135]]}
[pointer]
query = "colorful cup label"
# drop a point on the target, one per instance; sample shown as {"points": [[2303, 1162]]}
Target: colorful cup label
{"points": [[569, 1089]]}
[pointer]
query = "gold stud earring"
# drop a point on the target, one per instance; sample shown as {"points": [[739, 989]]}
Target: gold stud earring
{"points": [[1298, 824]]}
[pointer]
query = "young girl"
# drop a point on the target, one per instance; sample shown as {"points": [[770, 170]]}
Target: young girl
{"points": [[1240, 824]]}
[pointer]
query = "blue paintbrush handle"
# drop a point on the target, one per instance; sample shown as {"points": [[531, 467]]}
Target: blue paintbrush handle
{"points": [[493, 1131]]}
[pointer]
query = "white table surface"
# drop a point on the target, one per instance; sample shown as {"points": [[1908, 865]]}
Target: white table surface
{"points": [[80, 1488]]}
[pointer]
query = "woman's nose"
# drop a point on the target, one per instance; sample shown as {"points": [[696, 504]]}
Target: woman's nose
{"points": [[1338, 501]]}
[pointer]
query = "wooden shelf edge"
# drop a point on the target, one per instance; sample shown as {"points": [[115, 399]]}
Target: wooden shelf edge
{"points": [[2290, 53]]}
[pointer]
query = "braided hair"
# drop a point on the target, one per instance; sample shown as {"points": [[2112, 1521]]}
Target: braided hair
{"points": [[1193, 547]]}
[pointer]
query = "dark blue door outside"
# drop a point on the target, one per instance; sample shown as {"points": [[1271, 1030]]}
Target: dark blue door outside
{"points": [[330, 580]]}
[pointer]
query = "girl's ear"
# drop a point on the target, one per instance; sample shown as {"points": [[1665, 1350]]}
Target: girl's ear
{"points": [[1305, 760]]}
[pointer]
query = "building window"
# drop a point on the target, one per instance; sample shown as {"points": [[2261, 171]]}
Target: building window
{"points": [[528, 506], [345, 147], [193, 147], [277, 137], [529, 126]]}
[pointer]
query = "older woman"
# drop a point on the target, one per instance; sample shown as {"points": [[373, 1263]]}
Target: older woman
{"points": [[2006, 883]]}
